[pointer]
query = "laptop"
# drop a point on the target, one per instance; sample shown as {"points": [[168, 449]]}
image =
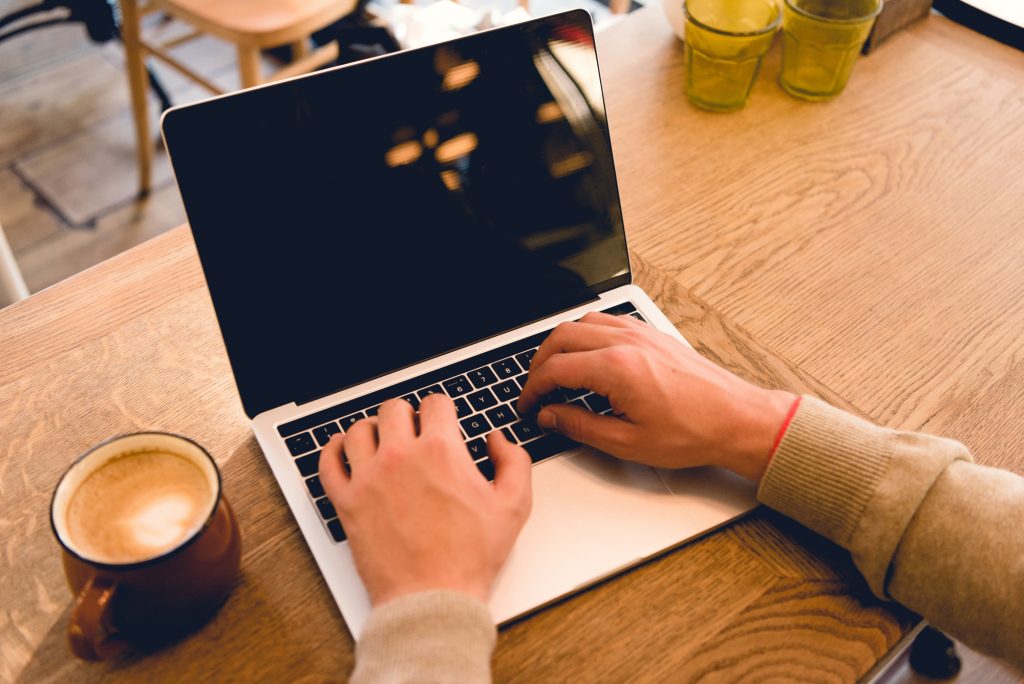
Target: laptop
{"points": [[418, 223]]}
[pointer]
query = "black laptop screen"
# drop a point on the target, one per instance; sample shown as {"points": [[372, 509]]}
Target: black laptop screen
{"points": [[366, 218]]}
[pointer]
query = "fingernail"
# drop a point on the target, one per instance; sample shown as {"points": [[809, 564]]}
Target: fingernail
{"points": [[546, 419]]}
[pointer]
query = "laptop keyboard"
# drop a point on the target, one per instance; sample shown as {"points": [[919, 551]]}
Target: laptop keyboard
{"points": [[485, 389]]}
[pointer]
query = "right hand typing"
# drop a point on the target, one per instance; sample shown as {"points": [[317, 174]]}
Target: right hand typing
{"points": [[673, 408]]}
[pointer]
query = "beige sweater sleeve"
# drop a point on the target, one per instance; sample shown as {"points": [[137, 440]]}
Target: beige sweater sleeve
{"points": [[432, 637], [926, 526]]}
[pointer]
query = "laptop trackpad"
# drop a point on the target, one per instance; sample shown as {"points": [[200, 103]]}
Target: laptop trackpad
{"points": [[592, 515]]}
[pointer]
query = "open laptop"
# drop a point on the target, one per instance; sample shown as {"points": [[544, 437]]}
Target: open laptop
{"points": [[418, 223]]}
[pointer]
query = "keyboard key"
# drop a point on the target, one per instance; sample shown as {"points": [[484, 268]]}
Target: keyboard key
{"points": [[373, 410], [506, 368], [525, 358], [638, 317], [501, 415], [486, 468], [462, 408], [433, 389], [309, 464], [457, 386], [300, 443], [348, 421], [477, 448], [508, 435], [521, 380], [547, 446], [580, 403], [475, 425], [525, 430], [337, 532], [507, 391], [597, 403], [324, 432], [326, 508], [574, 393], [316, 489], [482, 377], [412, 399], [482, 399]]}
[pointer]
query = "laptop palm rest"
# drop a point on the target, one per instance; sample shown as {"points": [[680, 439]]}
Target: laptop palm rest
{"points": [[594, 516]]}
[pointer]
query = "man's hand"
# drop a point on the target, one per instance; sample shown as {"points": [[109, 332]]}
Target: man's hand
{"points": [[673, 407], [417, 512]]}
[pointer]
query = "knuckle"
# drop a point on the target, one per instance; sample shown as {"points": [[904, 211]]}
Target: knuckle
{"points": [[433, 443], [618, 356]]}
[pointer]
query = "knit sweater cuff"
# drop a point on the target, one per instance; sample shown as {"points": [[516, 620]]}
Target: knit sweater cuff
{"points": [[434, 636], [825, 470], [853, 482]]}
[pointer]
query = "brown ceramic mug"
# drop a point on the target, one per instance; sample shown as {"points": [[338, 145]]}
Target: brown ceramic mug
{"points": [[150, 545]]}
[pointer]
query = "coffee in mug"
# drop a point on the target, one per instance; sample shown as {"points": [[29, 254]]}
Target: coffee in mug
{"points": [[151, 546], [139, 505]]}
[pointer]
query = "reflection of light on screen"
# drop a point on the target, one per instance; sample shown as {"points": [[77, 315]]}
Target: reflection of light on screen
{"points": [[567, 93], [574, 162], [430, 138], [403, 153], [460, 75], [451, 180], [454, 148], [549, 112], [580, 63]]}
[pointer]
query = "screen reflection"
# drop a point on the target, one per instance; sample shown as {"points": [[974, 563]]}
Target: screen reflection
{"points": [[367, 218]]}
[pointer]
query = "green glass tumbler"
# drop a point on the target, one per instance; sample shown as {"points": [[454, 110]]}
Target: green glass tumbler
{"points": [[725, 42], [821, 40]]}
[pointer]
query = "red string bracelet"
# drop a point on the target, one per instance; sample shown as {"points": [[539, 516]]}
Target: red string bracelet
{"points": [[784, 427]]}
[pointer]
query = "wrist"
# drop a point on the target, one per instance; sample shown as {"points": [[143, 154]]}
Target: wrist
{"points": [[763, 423]]}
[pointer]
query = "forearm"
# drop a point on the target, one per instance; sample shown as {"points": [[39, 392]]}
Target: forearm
{"points": [[436, 636], [925, 526]]}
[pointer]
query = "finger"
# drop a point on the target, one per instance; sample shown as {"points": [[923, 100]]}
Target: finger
{"points": [[332, 472], [602, 318], [360, 441], [437, 416], [587, 369], [606, 433], [395, 421], [511, 472], [572, 337]]}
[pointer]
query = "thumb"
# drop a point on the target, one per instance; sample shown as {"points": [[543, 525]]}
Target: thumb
{"points": [[606, 433], [511, 472]]}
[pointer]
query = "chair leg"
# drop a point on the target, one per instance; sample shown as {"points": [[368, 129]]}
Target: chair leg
{"points": [[137, 85], [300, 49], [249, 65], [12, 285]]}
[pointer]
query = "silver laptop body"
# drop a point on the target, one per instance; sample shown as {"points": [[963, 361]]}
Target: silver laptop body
{"points": [[489, 155]]}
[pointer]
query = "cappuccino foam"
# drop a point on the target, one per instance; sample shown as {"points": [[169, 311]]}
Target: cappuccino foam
{"points": [[138, 506]]}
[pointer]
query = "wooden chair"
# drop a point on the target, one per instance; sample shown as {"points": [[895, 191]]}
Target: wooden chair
{"points": [[12, 285], [251, 25]]}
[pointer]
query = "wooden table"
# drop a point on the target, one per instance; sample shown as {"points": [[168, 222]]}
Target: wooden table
{"points": [[866, 250]]}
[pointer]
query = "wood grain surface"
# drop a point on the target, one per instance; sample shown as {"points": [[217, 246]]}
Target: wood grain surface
{"points": [[860, 250]]}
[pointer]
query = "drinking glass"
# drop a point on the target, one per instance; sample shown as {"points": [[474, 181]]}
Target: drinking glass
{"points": [[725, 41], [820, 43]]}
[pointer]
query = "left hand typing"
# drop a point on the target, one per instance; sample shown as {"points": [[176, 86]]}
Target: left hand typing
{"points": [[417, 512]]}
